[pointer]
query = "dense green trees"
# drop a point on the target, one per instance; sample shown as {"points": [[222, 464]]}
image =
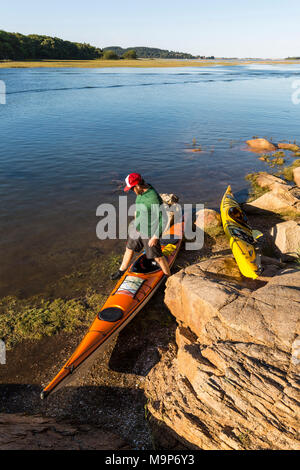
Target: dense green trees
{"points": [[16, 46], [150, 52], [130, 54], [110, 55]]}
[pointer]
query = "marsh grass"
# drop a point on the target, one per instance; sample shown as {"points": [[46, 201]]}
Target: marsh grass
{"points": [[112, 263], [273, 160], [277, 162], [276, 159], [288, 171], [102, 63], [278, 154], [289, 215], [42, 315], [35, 318], [215, 232], [75, 304], [255, 190]]}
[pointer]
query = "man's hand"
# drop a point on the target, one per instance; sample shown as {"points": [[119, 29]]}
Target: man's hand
{"points": [[153, 241]]}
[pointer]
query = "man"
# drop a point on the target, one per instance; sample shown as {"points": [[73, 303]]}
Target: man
{"points": [[148, 225]]}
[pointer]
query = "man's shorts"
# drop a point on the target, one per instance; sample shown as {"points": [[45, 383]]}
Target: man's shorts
{"points": [[136, 243]]}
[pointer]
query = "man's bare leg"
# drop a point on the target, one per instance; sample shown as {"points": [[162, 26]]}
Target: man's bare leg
{"points": [[163, 263], [126, 259], [125, 263]]}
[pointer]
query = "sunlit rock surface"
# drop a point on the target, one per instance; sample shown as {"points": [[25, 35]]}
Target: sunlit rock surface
{"points": [[233, 382]]}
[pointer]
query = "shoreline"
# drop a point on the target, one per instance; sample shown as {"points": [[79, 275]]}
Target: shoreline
{"points": [[113, 389], [140, 63], [86, 286]]}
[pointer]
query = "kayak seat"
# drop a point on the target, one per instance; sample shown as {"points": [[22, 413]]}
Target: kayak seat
{"points": [[143, 265], [111, 314], [238, 216]]}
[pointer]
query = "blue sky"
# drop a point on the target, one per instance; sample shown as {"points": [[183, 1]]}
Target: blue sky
{"points": [[230, 28]]}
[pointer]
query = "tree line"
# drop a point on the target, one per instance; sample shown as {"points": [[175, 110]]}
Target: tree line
{"points": [[16, 46], [150, 53]]}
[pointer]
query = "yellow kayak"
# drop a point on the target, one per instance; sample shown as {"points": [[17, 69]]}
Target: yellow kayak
{"points": [[239, 233]]}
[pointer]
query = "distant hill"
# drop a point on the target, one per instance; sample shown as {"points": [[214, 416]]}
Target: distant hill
{"points": [[151, 53], [16, 46]]}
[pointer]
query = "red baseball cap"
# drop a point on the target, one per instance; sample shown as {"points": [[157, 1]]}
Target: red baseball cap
{"points": [[132, 180]]}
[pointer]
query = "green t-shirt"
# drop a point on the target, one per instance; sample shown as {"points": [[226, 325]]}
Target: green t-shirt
{"points": [[150, 217]]}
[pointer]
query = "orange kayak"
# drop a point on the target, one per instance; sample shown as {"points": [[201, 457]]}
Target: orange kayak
{"points": [[129, 296]]}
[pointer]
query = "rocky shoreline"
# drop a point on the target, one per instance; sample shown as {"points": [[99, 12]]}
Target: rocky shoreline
{"points": [[232, 382], [221, 372]]}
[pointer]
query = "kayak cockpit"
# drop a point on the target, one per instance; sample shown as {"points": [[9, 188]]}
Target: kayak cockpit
{"points": [[236, 214], [143, 265]]}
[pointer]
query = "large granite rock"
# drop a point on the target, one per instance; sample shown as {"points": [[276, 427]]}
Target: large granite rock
{"points": [[208, 218], [286, 146], [261, 145], [286, 237], [217, 308], [281, 198], [233, 383], [265, 180]]}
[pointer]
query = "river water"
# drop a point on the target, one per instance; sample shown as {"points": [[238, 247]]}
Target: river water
{"points": [[69, 136]]}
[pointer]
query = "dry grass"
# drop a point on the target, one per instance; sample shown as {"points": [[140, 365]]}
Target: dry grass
{"points": [[100, 63]]}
